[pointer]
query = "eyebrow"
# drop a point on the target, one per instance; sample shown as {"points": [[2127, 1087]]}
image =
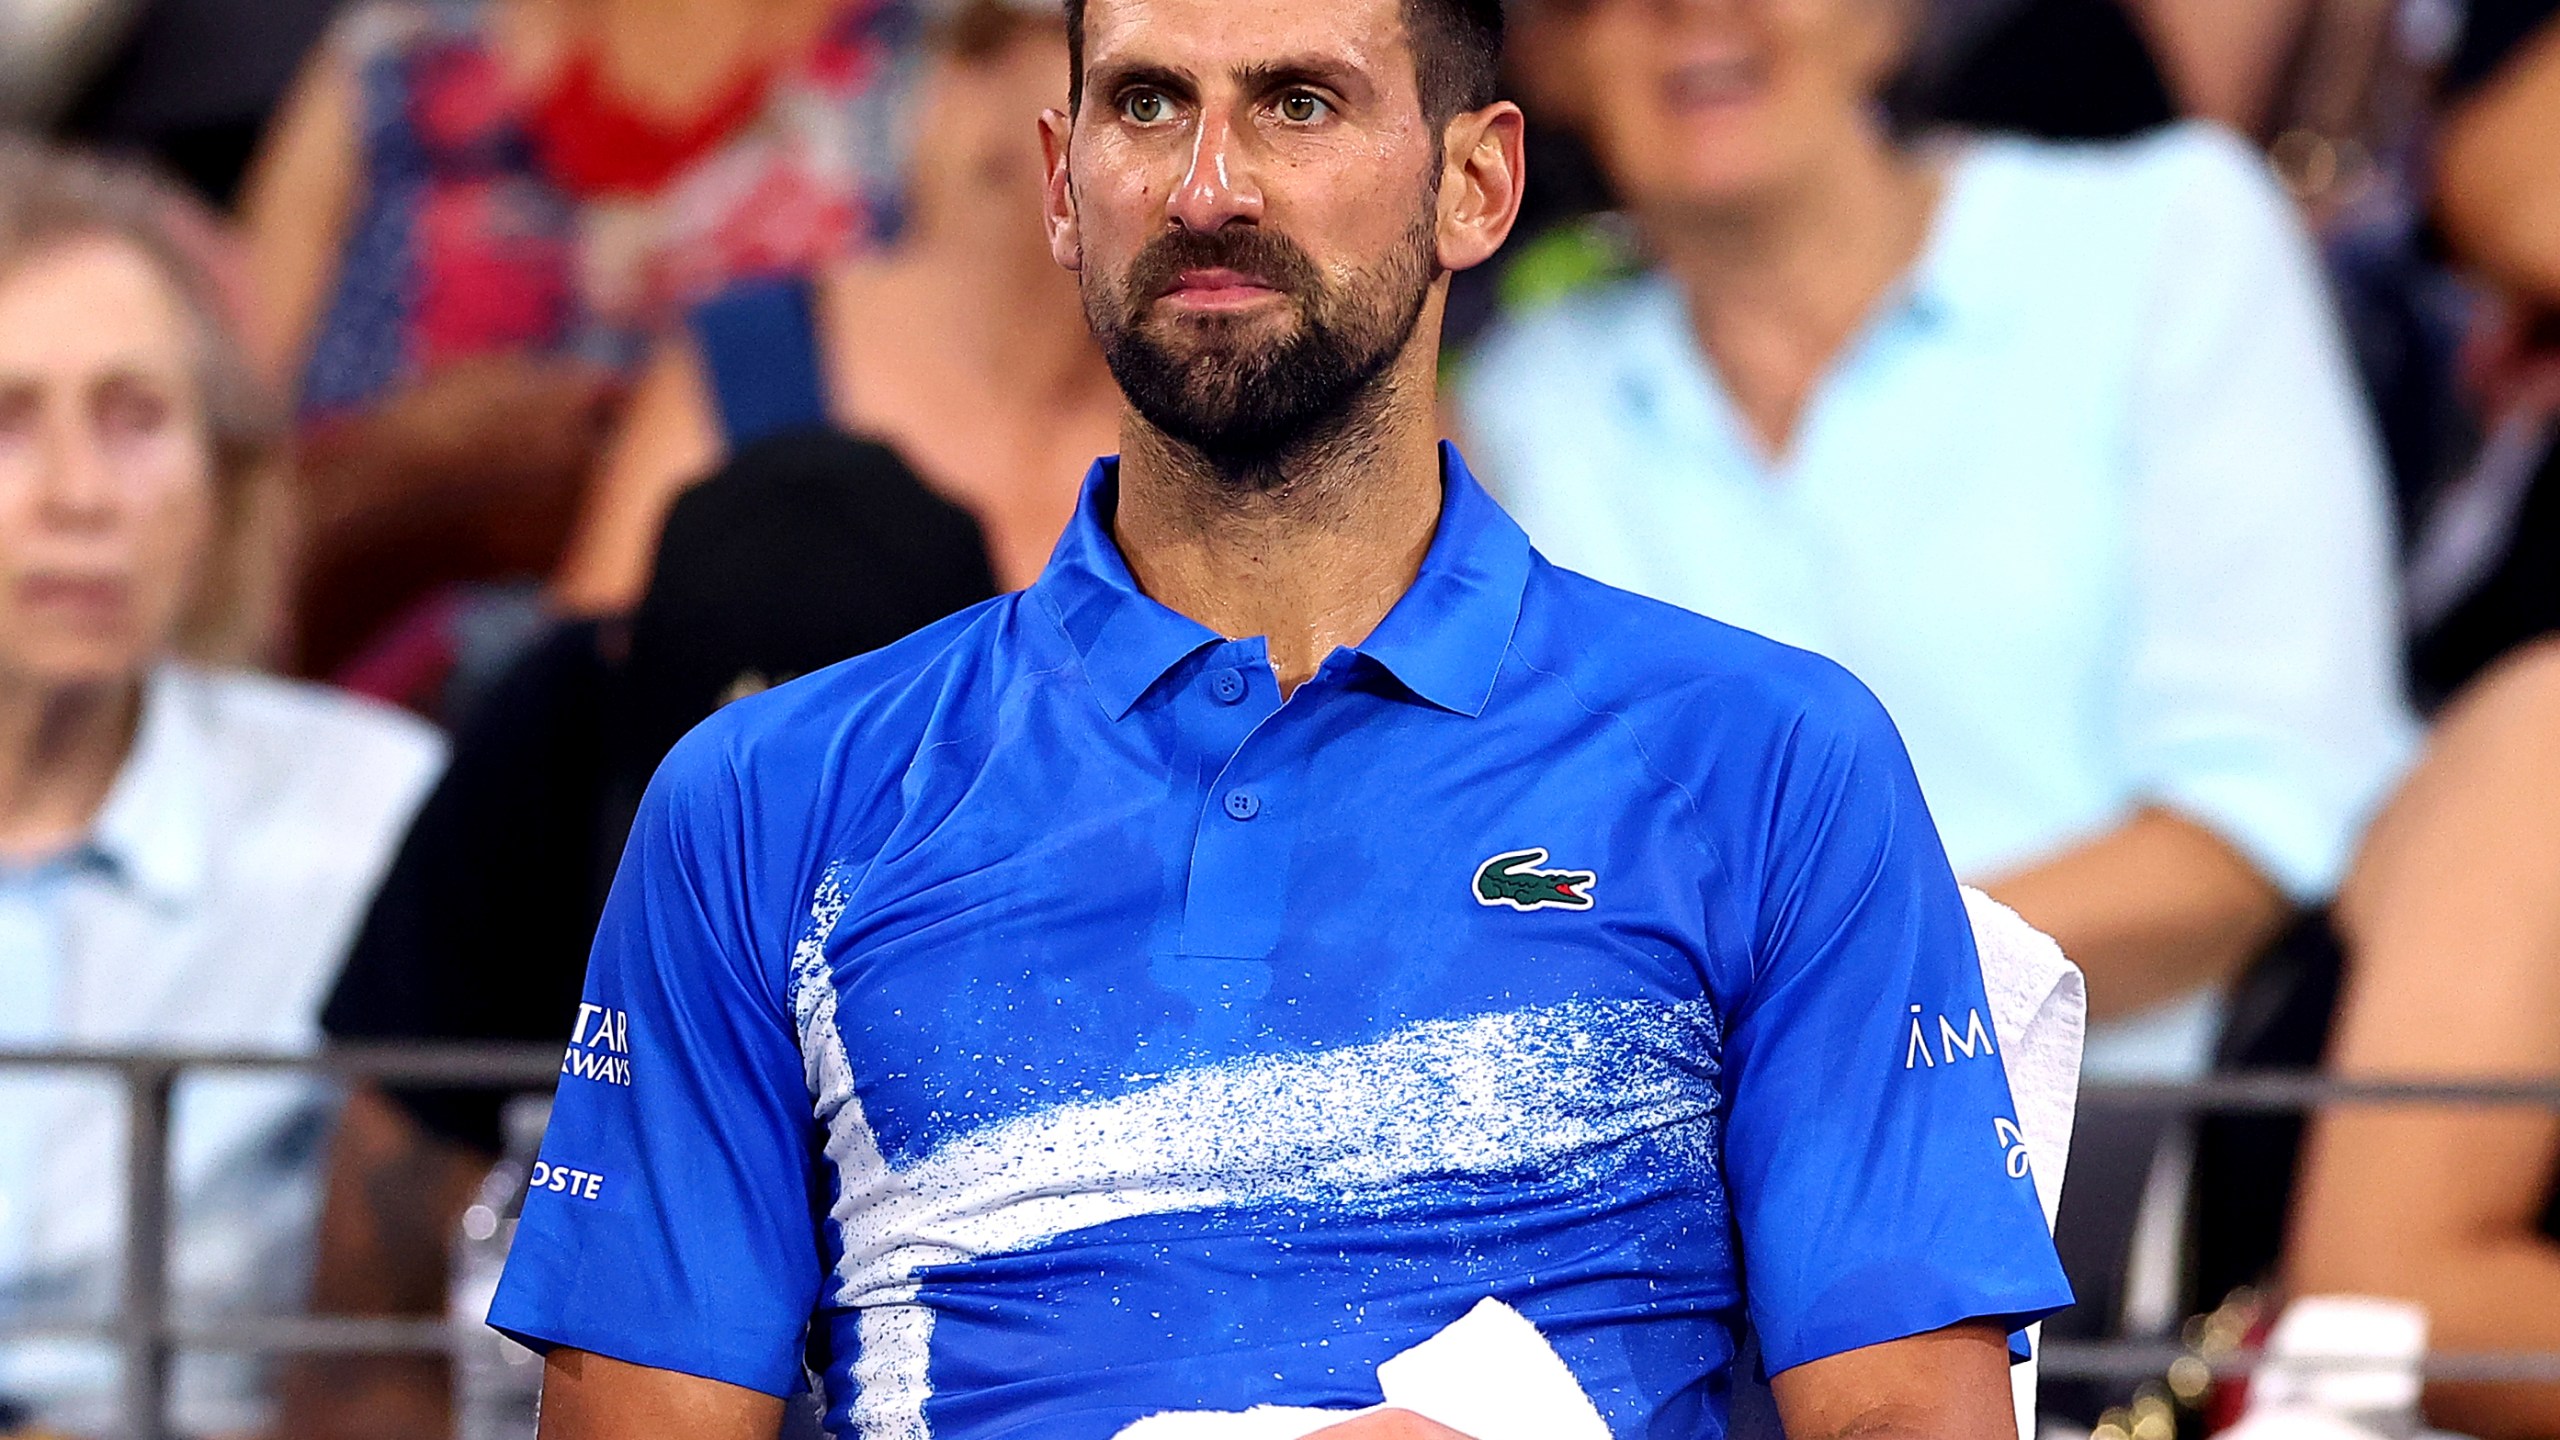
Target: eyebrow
{"points": [[1259, 78], [1316, 71], [1111, 77]]}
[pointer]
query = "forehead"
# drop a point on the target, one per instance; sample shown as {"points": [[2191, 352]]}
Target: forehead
{"points": [[89, 305], [1204, 38]]}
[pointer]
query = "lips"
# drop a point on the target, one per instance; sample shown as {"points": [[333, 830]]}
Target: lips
{"points": [[90, 598], [1714, 81], [1218, 288]]}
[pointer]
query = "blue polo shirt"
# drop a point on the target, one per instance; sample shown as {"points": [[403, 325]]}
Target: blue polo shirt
{"points": [[1039, 1024]]}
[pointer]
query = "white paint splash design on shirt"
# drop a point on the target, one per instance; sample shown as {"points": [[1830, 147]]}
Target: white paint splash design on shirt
{"points": [[1561, 1094]]}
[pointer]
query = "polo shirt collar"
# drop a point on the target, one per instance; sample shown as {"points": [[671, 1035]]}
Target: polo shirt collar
{"points": [[1444, 640], [156, 827], [1969, 237]]}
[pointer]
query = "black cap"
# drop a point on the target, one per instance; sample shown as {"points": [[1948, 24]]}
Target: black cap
{"points": [[805, 549]]}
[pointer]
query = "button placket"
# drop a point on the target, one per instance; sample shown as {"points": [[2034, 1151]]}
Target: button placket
{"points": [[1239, 862]]}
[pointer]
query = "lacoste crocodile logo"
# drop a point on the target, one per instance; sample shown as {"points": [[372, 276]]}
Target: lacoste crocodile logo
{"points": [[1514, 879]]}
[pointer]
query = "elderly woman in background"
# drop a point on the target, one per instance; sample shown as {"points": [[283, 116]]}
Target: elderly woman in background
{"points": [[185, 849]]}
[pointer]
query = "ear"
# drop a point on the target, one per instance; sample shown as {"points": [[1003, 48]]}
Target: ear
{"points": [[1058, 193], [1481, 181]]}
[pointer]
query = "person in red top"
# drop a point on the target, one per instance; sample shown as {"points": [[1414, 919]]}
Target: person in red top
{"points": [[470, 220]]}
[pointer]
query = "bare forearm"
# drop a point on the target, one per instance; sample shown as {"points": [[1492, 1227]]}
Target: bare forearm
{"points": [[1950, 1384], [588, 1397], [394, 1194], [2154, 909]]}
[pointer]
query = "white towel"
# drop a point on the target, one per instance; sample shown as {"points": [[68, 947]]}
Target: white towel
{"points": [[1491, 1376], [2039, 1014]]}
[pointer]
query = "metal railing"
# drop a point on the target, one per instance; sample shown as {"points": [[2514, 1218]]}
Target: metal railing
{"points": [[145, 1333], [148, 1336]]}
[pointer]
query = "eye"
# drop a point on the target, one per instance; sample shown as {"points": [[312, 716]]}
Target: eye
{"points": [[131, 408], [1145, 107], [1303, 107], [21, 411]]}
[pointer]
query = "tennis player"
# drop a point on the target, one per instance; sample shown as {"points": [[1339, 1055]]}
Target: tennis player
{"points": [[1305, 932]]}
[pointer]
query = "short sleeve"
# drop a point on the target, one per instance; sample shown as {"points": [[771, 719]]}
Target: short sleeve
{"points": [[2263, 696], [669, 1223], [1879, 1178]]}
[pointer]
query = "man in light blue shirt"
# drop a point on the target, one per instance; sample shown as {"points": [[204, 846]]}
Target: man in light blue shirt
{"points": [[2057, 450]]}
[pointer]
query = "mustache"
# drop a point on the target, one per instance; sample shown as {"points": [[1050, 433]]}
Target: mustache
{"points": [[1268, 256]]}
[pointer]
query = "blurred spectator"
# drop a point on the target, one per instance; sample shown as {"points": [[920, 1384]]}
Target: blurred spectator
{"points": [[2056, 447], [2050, 69], [2484, 571], [472, 217], [184, 849], [2456, 1209], [964, 347], [2453, 918], [805, 550]]}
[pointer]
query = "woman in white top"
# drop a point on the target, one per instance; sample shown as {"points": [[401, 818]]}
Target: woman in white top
{"points": [[184, 848], [2056, 447]]}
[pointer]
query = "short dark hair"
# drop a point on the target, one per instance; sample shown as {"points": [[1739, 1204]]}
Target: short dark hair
{"points": [[1457, 54]]}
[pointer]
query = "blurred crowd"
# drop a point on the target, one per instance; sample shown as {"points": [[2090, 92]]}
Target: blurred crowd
{"points": [[416, 414]]}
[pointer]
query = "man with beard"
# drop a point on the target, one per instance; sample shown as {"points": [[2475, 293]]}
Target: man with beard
{"points": [[1306, 966]]}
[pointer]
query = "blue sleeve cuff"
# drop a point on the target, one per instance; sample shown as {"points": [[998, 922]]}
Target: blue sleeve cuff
{"points": [[1917, 1309], [537, 1307]]}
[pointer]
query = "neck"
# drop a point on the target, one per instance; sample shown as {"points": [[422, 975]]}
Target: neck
{"points": [[1778, 285], [60, 751], [964, 248], [1309, 548], [671, 55]]}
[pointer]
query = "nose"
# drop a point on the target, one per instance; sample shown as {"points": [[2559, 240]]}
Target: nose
{"points": [[79, 487], [1219, 187]]}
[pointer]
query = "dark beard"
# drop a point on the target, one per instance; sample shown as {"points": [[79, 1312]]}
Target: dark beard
{"points": [[1248, 409]]}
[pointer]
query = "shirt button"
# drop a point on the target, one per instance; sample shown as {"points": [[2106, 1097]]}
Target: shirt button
{"points": [[1228, 686], [1243, 804]]}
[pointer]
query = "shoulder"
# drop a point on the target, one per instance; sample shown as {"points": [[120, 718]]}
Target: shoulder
{"points": [[345, 737], [298, 770], [2176, 159], [1528, 395], [844, 735], [2123, 202], [1701, 693], [1587, 320]]}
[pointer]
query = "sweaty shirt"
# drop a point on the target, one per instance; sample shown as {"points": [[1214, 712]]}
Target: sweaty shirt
{"points": [[1039, 1025]]}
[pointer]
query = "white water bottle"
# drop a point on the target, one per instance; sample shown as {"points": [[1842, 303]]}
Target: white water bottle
{"points": [[497, 1383]]}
